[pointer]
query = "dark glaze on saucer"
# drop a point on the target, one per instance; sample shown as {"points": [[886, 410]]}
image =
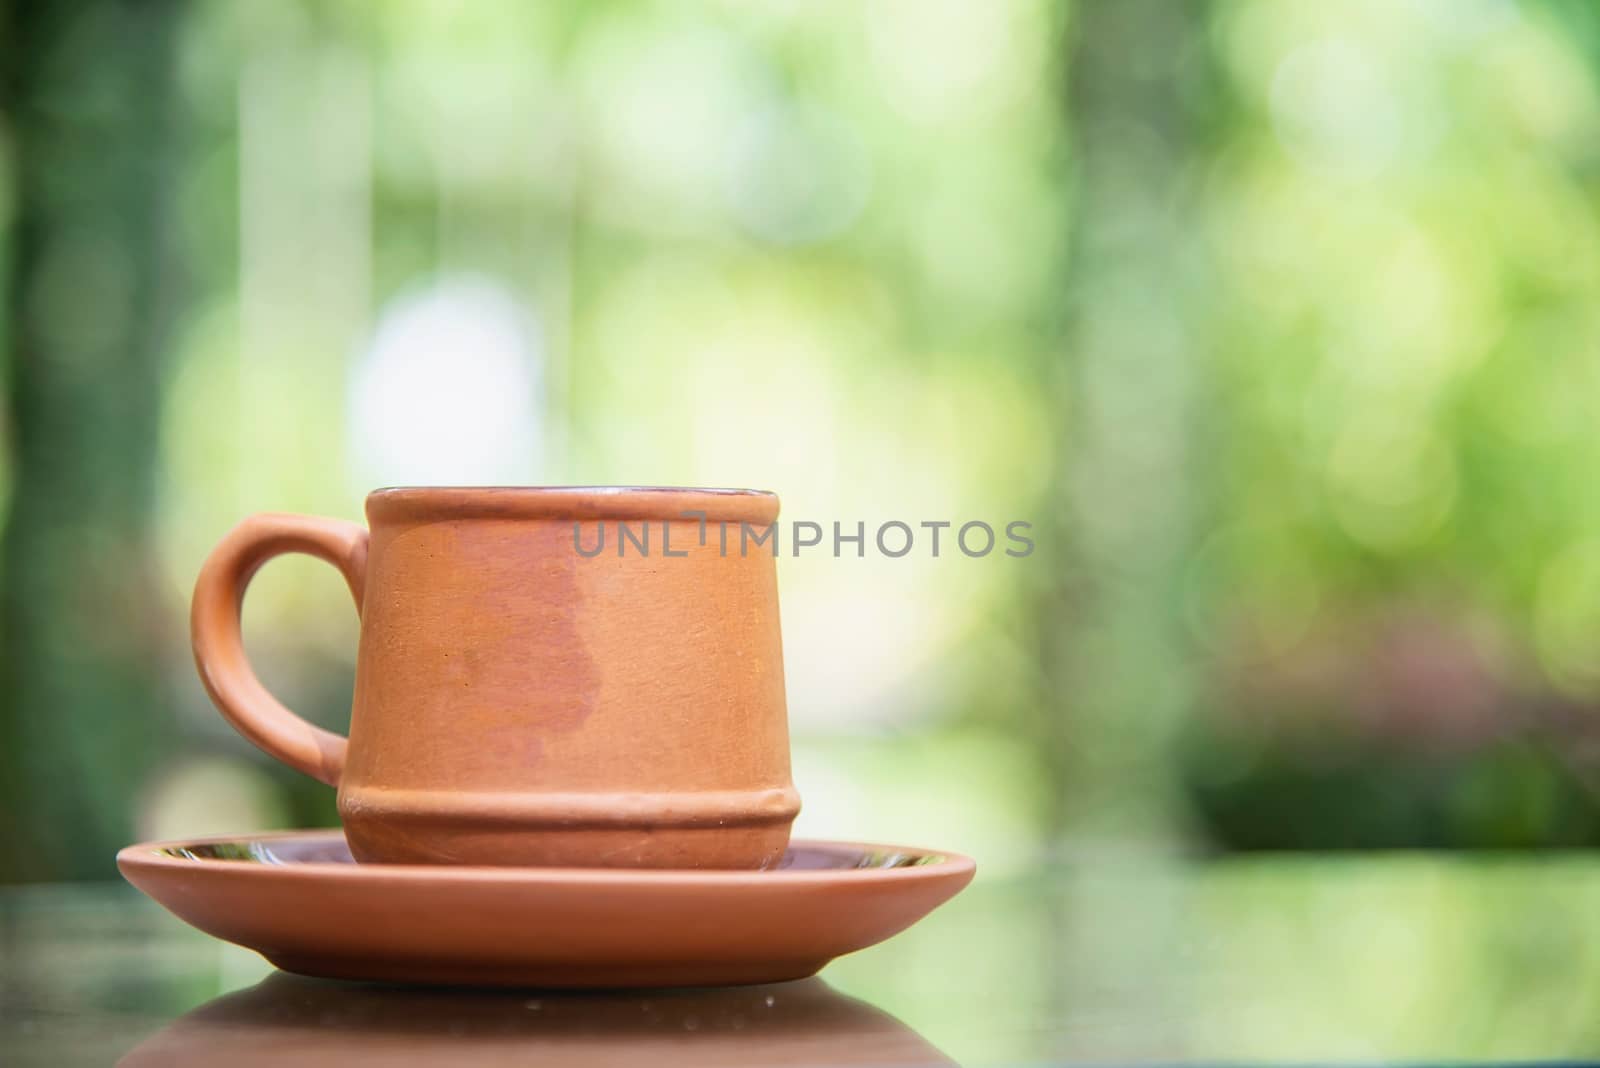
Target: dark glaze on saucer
{"points": [[800, 857]]}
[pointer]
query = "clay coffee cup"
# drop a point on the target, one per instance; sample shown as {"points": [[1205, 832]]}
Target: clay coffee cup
{"points": [[580, 677]]}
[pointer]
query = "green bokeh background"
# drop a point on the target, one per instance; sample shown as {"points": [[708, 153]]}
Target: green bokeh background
{"points": [[1277, 320]]}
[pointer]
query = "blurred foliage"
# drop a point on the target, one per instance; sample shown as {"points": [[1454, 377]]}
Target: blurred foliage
{"points": [[1397, 599], [86, 711], [1276, 318]]}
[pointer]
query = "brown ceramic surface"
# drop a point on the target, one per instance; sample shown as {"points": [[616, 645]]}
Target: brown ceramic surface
{"points": [[520, 703], [290, 1020], [300, 901]]}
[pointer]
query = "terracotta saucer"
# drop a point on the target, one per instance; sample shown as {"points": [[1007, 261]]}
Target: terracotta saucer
{"points": [[299, 900]]}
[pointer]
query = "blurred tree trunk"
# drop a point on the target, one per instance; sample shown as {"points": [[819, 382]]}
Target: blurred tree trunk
{"points": [[88, 99], [1123, 513], [1124, 506]]}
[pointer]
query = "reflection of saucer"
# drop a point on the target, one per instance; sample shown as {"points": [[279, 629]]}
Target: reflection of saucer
{"points": [[287, 1019], [299, 900]]}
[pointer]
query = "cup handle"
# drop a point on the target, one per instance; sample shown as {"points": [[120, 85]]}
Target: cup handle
{"points": [[219, 646]]}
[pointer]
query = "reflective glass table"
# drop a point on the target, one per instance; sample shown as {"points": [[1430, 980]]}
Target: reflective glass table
{"points": [[1315, 959]]}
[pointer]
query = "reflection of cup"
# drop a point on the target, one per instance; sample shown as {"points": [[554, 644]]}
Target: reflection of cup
{"points": [[287, 1019], [524, 698]]}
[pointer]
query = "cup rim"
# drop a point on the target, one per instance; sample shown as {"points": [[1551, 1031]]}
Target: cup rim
{"points": [[573, 502]]}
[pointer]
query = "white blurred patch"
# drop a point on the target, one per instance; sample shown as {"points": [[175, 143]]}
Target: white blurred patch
{"points": [[941, 60], [1335, 109], [449, 392]]}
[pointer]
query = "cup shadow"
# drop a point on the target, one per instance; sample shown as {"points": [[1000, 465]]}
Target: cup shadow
{"points": [[289, 1019]]}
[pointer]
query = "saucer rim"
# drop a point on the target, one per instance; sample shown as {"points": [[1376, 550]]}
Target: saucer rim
{"points": [[152, 855]]}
